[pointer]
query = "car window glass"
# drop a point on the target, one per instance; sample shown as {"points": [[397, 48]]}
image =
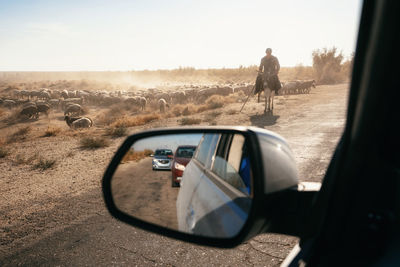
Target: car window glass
{"points": [[185, 152], [229, 166], [235, 151], [207, 149], [227, 173]]}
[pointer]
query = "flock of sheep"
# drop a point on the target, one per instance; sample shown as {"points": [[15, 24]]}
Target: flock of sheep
{"points": [[36, 102]]}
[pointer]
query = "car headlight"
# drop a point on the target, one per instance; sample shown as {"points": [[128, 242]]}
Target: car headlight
{"points": [[179, 166]]}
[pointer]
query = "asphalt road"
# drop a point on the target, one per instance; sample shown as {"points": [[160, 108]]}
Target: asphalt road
{"points": [[312, 130]]}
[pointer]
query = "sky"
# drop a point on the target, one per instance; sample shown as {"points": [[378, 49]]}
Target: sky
{"points": [[48, 35], [171, 141]]}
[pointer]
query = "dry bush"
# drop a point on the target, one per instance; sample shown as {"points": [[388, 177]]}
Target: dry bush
{"points": [[136, 155], [116, 131], [328, 67], [94, 142], [215, 101], [189, 121], [177, 110], [13, 116], [130, 121], [212, 116], [232, 112], [115, 113], [19, 135], [44, 164], [111, 115], [51, 131], [21, 159], [185, 110], [3, 152], [2, 112]]}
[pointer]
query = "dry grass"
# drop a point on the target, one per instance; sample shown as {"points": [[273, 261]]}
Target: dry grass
{"points": [[136, 155], [130, 121], [216, 101], [19, 135], [44, 164], [117, 131], [3, 152], [185, 110], [12, 117], [189, 121], [232, 112], [94, 142], [51, 131], [21, 159], [212, 116]]}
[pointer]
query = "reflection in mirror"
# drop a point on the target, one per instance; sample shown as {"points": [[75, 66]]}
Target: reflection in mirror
{"points": [[194, 183]]}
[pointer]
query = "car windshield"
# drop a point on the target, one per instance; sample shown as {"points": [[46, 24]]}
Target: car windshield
{"points": [[132, 66], [163, 152], [185, 152]]}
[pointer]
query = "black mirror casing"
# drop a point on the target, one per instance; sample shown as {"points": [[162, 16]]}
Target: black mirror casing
{"points": [[255, 221], [279, 203]]}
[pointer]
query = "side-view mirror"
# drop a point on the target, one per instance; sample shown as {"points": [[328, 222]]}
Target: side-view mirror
{"points": [[213, 190]]}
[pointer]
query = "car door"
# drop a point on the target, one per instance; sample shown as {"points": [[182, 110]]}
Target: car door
{"points": [[221, 207], [189, 198]]}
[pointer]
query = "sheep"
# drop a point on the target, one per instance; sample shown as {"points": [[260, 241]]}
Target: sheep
{"points": [[8, 103], [30, 111], [44, 108], [142, 102], [64, 94], [162, 104], [78, 122], [73, 109]]}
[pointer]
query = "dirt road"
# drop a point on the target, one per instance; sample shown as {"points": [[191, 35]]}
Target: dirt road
{"points": [[146, 194], [57, 217]]}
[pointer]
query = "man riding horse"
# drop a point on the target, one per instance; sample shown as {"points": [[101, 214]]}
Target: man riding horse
{"points": [[268, 72]]}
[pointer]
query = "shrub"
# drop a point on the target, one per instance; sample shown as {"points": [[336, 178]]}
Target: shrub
{"points": [[44, 164], [116, 131], [136, 155], [215, 101], [94, 142], [51, 131], [19, 135], [328, 68], [20, 159], [3, 152], [189, 121], [130, 121]]}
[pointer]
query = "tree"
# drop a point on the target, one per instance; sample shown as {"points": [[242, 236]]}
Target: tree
{"points": [[327, 65]]}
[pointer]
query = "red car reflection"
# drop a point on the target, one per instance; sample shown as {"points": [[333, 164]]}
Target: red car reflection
{"points": [[182, 156]]}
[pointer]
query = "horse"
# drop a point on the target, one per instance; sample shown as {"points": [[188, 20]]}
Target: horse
{"points": [[262, 85], [269, 98]]}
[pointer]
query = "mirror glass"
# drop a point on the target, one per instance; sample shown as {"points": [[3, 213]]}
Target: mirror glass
{"points": [[194, 183]]}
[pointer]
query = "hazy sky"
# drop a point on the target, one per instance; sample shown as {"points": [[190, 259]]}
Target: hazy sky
{"points": [[167, 141], [48, 35]]}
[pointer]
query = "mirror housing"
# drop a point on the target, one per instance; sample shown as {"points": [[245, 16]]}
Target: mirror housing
{"points": [[274, 174]]}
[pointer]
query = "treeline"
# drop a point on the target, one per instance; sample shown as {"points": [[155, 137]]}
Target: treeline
{"points": [[329, 67]]}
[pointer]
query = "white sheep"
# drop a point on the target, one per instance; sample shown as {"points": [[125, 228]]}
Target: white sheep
{"points": [[162, 104]]}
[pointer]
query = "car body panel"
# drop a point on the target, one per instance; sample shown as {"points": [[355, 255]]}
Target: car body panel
{"points": [[280, 170], [206, 204], [177, 173]]}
